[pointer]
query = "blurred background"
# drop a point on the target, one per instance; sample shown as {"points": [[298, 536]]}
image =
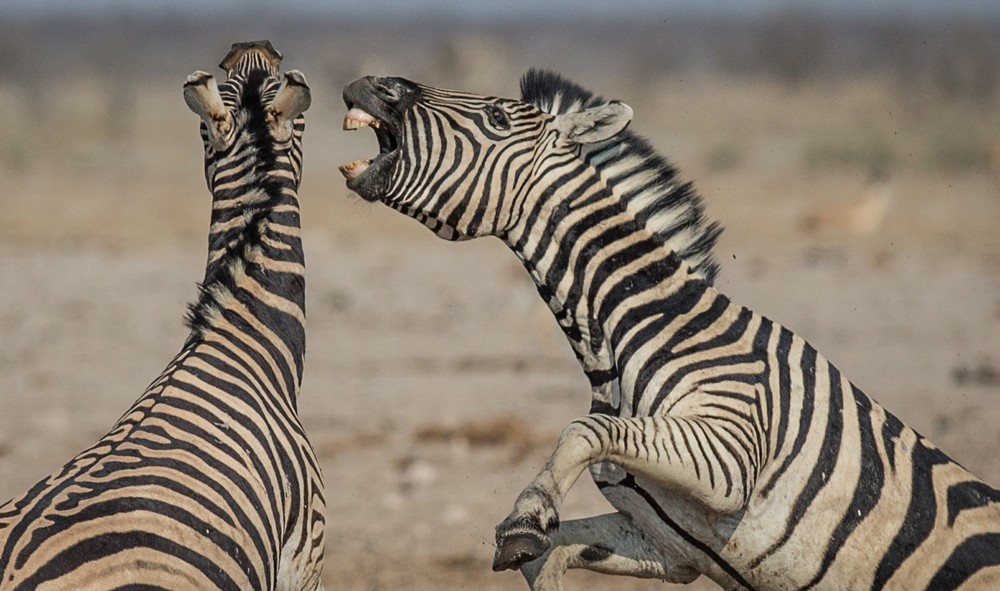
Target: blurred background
{"points": [[852, 153]]}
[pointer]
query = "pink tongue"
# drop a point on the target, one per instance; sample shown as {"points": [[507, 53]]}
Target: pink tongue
{"points": [[354, 169]]}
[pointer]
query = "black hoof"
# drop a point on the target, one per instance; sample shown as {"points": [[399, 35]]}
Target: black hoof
{"points": [[517, 550]]}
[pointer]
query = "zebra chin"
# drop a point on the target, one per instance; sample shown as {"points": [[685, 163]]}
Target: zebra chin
{"points": [[371, 182]]}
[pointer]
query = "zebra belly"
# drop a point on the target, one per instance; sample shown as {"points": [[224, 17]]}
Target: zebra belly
{"points": [[761, 549], [721, 547], [689, 535]]}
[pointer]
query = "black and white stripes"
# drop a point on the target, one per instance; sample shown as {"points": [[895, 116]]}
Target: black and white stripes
{"points": [[208, 481], [729, 446]]}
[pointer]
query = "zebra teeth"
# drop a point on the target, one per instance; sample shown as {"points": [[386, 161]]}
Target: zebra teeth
{"points": [[354, 169], [356, 119]]}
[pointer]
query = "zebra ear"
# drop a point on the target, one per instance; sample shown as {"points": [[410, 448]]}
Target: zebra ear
{"points": [[201, 94], [293, 98], [595, 124]]}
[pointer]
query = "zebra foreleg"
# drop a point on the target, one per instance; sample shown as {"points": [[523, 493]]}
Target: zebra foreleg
{"points": [[609, 544], [655, 448]]}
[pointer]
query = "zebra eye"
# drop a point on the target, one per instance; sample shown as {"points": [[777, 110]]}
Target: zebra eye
{"points": [[497, 117]]}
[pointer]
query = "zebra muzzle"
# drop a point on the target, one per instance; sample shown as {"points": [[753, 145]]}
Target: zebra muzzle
{"points": [[367, 106], [357, 118]]}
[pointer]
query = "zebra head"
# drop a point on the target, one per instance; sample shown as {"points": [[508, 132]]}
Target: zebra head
{"points": [[460, 162], [253, 111]]}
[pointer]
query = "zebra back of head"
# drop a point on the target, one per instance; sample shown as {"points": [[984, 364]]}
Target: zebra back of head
{"points": [[649, 186], [251, 120]]}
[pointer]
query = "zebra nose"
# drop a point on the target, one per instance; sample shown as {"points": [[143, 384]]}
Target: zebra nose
{"points": [[390, 90]]}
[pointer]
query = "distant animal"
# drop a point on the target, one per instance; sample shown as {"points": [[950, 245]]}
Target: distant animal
{"points": [[729, 446], [208, 481], [860, 216]]}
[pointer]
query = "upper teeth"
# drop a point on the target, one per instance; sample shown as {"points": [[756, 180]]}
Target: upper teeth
{"points": [[356, 118]]}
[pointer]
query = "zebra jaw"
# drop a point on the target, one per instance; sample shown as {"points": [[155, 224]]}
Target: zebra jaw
{"points": [[357, 118], [354, 169]]}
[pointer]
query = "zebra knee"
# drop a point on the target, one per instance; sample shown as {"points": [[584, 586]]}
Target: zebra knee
{"points": [[587, 433]]}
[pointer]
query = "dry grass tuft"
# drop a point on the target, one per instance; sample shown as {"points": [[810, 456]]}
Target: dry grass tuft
{"points": [[461, 562], [335, 446], [504, 431]]}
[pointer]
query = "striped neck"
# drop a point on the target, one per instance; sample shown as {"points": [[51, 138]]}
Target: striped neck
{"points": [[255, 276], [595, 264]]}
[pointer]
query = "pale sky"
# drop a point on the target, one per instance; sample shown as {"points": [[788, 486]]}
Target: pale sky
{"points": [[476, 10]]}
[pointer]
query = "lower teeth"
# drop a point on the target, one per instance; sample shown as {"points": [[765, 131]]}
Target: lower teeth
{"points": [[355, 169]]}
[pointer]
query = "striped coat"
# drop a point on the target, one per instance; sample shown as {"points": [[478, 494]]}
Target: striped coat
{"points": [[208, 481], [727, 444]]}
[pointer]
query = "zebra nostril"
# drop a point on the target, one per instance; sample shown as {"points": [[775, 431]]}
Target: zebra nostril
{"points": [[387, 90]]}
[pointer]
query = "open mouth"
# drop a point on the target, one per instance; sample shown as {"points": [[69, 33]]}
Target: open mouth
{"points": [[369, 178]]}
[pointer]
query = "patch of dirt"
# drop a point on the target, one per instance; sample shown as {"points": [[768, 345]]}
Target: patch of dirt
{"points": [[506, 431], [436, 381]]}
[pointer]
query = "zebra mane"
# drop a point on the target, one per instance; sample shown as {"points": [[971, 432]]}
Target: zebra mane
{"points": [[648, 184], [223, 274]]}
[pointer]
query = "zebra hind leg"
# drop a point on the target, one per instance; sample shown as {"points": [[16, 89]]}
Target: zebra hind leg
{"points": [[610, 544]]}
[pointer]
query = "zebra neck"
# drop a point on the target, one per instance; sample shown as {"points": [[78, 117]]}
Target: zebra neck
{"points": [[253, 294], [595, 265]]}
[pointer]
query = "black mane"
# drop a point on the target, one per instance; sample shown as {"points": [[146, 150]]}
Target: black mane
{"points": [[649, 185]]}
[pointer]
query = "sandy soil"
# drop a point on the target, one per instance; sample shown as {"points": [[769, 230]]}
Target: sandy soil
{"points": [[435, 382]]}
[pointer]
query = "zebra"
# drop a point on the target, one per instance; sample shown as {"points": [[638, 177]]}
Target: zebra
{"points": [[727, 444], [208, 481]]}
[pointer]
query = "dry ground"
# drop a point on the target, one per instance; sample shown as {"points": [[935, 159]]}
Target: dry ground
{"points": [[435, 382]]}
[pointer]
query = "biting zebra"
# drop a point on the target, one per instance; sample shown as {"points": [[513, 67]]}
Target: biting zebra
{"points": [[208, 481], [727, 444]]}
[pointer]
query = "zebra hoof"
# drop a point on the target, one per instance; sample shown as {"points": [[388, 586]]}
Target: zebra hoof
{"points": [[517, 550]]}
